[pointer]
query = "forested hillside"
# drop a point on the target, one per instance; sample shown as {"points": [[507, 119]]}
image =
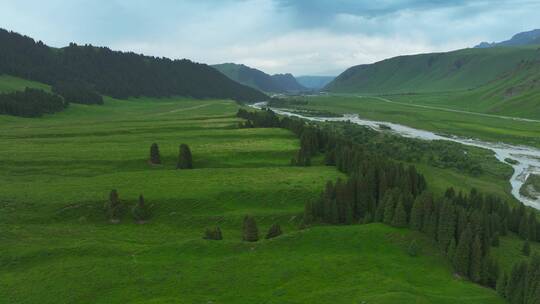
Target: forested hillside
{"points": [[114, 73]]}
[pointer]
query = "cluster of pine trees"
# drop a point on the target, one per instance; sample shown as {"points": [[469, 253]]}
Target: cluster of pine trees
{"points": [[522, 284], [185, 158], [31, 103], [115, 209], [250, 231], [114, 73], [378, 189]]}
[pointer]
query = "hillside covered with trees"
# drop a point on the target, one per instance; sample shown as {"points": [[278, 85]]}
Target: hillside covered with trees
{"points": [[114, 73]]}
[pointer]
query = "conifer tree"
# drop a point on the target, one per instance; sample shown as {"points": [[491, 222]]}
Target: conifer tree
{"points": [[250, 230], [309, 213], [526, 249], [389, 206], [400, 215], [451, 251], [140, 211], [154, 154], [113, 207], [213, 234], [476, 260], [524, 228], [446, 225], [412, 250], [274, 231], [532, 293], [501, 285], [417, 214], [495, 239], [463, 252], [515, 287], [185, 160]]}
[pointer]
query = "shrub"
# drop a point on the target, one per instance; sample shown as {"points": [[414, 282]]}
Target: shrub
{"points": [[274, 231]]}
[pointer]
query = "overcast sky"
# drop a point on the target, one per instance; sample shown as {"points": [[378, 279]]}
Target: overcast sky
{"points": [[311, 37]]}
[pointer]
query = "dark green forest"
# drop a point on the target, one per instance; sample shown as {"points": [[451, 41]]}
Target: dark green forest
{"points": [[114, 73], [31, 103]]}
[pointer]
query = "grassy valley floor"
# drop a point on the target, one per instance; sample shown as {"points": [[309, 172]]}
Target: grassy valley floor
{"points": [[440, 119], [57, 246]]}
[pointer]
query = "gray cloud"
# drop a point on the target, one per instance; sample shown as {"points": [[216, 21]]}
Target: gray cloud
{"points": [[302, 37]]}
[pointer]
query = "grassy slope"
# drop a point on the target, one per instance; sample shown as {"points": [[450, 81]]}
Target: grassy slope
{"points": [[10, 83], [457, 70], [468, 125], [57, 247], [516, 93]]}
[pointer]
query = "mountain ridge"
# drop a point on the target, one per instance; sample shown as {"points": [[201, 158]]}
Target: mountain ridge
{"points": [[524, 38], [277, 83]]}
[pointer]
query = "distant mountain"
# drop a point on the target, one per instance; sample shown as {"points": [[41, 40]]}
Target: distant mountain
{"points": [[287, 83], [524, 38], [435, 72], [315, 82], [279, 83], [115, 73]]}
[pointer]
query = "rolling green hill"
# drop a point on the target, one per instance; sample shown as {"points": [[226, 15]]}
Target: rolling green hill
{"points": [[278, 83], [437, 72]]}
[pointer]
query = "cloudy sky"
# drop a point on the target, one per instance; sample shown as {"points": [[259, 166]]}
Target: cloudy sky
{"points": [[304, 37]]}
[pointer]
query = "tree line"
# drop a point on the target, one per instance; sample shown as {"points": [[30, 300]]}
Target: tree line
{"points": [[114, 73], [379, 189], [77, 92], [250, 231], [31, 103]]}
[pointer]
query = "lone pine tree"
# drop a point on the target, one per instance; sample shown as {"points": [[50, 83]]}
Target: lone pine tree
{"points": [[185, 160], [250, 231], [113, 207], [154, 154], [140, 211]]}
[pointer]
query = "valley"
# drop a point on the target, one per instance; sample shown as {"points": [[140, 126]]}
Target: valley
{"points": [[199, 152]]}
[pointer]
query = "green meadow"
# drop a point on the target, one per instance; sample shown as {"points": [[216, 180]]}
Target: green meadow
{"points": [[58, 247], [405, 110]]}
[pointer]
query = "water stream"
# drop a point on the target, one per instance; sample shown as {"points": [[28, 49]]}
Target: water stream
{"points": [[527, 159]]}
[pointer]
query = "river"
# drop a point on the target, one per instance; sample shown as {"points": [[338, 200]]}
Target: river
{"points": [[527, 159]]}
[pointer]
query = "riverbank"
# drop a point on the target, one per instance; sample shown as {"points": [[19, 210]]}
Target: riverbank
{"points": [[524, 160]]}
